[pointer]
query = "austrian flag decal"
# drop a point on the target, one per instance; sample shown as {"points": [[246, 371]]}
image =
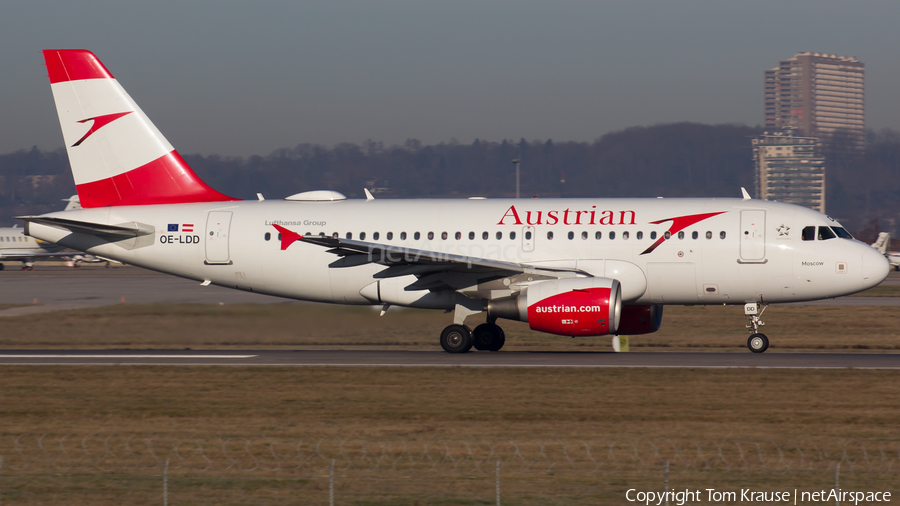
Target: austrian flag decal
{"points": [[187, 227]]}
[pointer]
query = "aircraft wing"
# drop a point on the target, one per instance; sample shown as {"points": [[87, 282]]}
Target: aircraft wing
{"points": [[403, 261], [31, 256], [359, 252]]}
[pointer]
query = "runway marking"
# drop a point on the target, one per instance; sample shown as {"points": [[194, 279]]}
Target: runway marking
{"points": [[127, 356]]}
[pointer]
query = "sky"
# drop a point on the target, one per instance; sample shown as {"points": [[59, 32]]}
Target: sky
{"points": [[241, 78]]}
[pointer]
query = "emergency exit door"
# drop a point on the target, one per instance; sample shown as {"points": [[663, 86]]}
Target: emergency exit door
{"points": [[218, 226], [753, 235]]}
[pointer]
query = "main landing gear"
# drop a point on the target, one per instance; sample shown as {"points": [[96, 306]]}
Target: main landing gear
{"points": [[757, 342], [485, 337]]}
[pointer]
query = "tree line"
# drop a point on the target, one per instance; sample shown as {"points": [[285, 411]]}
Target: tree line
{"points": [[670, 160]]}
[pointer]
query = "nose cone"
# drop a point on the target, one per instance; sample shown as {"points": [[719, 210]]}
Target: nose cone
{"points": [[875, 267]]}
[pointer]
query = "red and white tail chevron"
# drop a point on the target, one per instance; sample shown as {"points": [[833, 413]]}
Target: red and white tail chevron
{"points": [[118, 156]]}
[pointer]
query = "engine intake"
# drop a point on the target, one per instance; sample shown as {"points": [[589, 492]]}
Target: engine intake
{"points": [[575, 306]]}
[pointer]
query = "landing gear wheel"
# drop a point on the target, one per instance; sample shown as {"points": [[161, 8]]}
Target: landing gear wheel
{"points": [[456, 339], [488, 337], [758, 343]]}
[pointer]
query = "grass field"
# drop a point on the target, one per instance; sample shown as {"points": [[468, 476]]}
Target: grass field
{"points": [[309, 326], [640, 405]]}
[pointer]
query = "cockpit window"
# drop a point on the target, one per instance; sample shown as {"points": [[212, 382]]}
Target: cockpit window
{"points": [[825, 233], [808, 234], [842, 232]]}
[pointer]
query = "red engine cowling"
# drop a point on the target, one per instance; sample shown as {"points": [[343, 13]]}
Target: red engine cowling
{"points": [[640, 319], [575, 306]]}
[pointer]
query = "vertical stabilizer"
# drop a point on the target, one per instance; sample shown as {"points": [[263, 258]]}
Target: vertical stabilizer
{"points": [[118, 156]]}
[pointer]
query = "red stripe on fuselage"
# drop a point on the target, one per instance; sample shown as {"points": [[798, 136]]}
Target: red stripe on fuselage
{"points": [[679, 223], [166, 180], [73, 65]]}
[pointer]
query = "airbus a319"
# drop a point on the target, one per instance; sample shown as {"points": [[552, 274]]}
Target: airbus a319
{"points": [[572, 267]]}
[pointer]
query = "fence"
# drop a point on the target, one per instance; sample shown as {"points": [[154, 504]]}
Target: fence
{"points": [[593, 464]]}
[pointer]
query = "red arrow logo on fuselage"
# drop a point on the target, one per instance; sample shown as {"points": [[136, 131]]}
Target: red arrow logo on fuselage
{"points": [[99, 122], [679, 223], [287, 237]]}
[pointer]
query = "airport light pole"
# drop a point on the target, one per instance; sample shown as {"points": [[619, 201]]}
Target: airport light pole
{"points": [[516, 162]]}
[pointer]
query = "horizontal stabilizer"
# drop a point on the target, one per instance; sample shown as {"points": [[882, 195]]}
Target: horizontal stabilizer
{"points": [[132, 229]]}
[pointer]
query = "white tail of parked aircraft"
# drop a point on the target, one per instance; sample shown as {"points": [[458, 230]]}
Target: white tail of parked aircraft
{"points": [[573, 267]]}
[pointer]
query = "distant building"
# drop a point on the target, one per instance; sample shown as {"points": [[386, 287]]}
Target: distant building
{"points": [[790, 169], [816, 94]]}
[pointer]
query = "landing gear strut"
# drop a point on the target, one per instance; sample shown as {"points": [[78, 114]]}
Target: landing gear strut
{"points": [[757, 342]]}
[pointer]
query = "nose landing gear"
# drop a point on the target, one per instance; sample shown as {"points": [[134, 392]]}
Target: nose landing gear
{"points": [[757, 342]]}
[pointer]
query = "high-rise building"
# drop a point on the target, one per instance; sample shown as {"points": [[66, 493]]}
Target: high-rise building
{"points": [[790, 169], [816, 94]]}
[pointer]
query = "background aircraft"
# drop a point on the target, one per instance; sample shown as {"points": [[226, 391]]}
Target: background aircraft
{"points": [[882, 244], [572, 267], [16, 246]]}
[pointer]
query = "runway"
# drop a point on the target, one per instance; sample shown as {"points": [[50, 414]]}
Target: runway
{"points": [[354, 358]]}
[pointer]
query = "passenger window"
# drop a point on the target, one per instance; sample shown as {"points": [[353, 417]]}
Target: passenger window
{"points": [[268, 236], [612, 235], [681, 235], [550, 235], [598, 235], [499, 235], [471, 236], [279, 236], [808, 234], [639, 236], [528, 235], [584, 235], [417, 236], [390, 236], [485, 235], [709, 234], [375, 236], [825, 233], [512, 235], [571, 235], [402, 236], [722, 235], [667, 235], [335, 235], [430, 236], [653, 235], [625, 235], [349, 235], [695, 234], [458, 235], [362, 236], [444, 236]]}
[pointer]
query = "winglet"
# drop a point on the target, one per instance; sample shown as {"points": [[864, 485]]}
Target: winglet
{"points": [[744, 193], [287, 237], [369, 195]]}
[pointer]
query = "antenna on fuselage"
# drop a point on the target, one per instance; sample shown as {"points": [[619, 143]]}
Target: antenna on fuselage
{"points": [[744, 193], [369, 195]]}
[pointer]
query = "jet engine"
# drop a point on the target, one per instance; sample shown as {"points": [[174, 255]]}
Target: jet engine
{"points": [[568, 307], [643, 319]]}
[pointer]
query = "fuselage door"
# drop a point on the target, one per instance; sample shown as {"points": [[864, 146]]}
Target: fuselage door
{"points": [[528, 237], [753, 235], [218, 225]]}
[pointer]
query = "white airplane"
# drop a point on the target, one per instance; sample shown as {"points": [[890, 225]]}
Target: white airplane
{"points": [[16, 246], [573, 267], [882, 244]]}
